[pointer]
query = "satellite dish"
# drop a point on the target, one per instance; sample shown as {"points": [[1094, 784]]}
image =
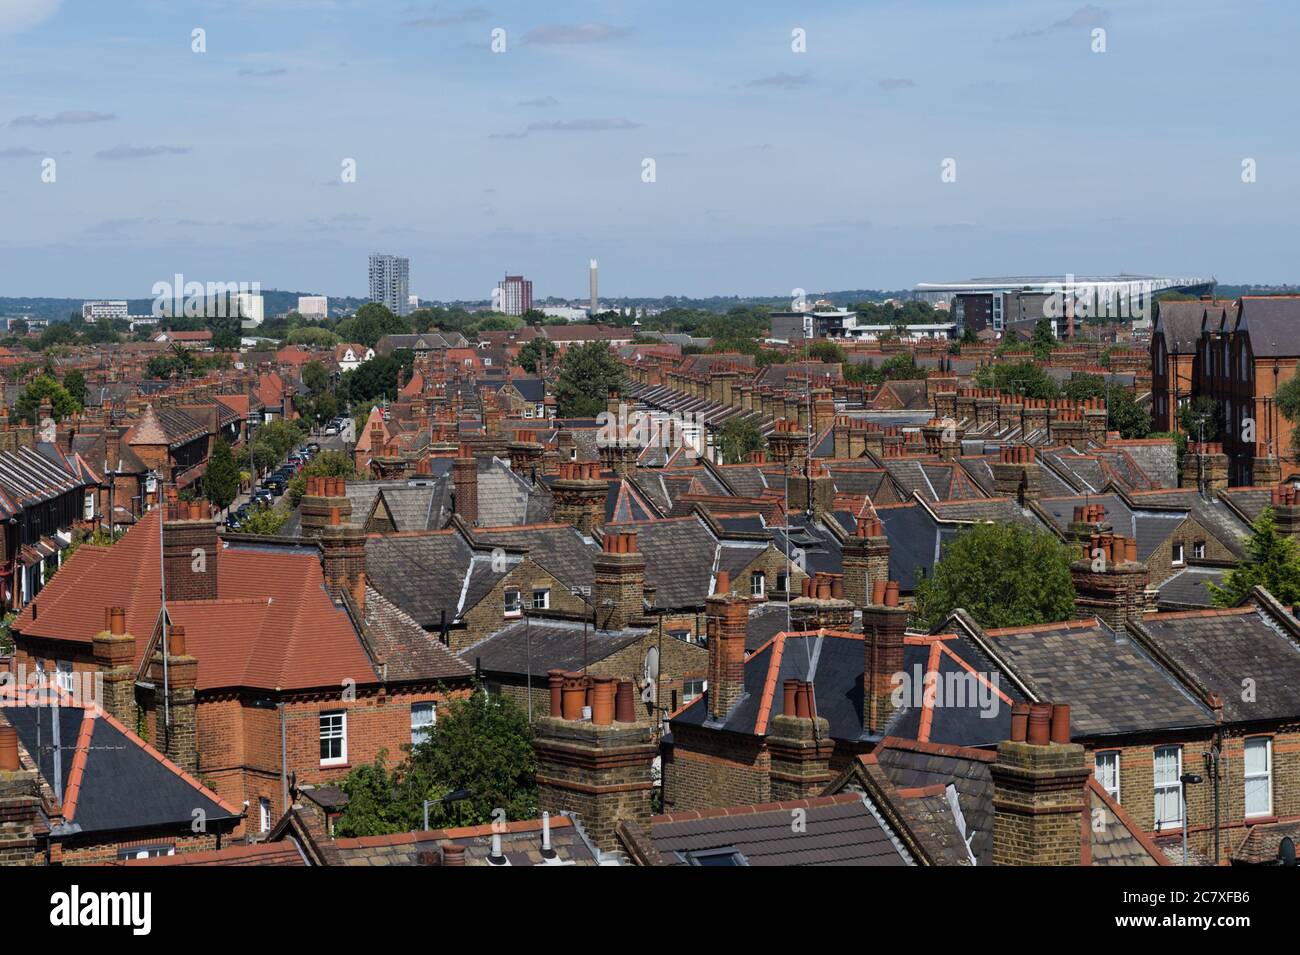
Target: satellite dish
{"points": [[650, 676], [1286, 852]]}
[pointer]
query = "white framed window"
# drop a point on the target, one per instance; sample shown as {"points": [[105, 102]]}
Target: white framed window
{"points": [[63, 675], [88, 509], [424, 716], [1178, 553], [1106, 769], [1198, 550], [146, 852], [782, 583], [1258, 775], [757, 584], [1169, 802], [693, 689], [264, 813], [514, 605], [333, 738], [542, 598]]}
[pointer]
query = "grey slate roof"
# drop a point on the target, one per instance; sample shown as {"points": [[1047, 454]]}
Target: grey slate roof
{"points": [[1223, 649], [547, 645], [1112, 685], [1188, 588], [840, 830], [909, 768]]}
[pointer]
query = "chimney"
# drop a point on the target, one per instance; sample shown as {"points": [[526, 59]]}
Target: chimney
{"points": [[822, 604], [619, 589], [1109, 581], [1016, 474], [190, 551], [179, 740], [1286, 511], [114, 653], [464, 481], [21, 822], [727, 619], [343, 560], [598, 769], [813, 492], [1205, 467], [525, 452], [1265, 471], [322, 496], [799, 744], [579, 496], [1041, 810], [884, 624], [865, 558]]}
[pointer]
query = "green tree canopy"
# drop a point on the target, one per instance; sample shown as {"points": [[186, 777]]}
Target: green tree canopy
{"points": [[535, 353], [1017, 378], [736, 438], [479, 743], [221, 478], [329, 463], [1003, 575], [1274, 564], [74, 383], [27, 407], [587, 373]]}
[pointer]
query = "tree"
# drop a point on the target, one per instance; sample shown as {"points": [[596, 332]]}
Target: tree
{"points": [[1043, 341], [371, 380], [264, 521], [736, 438], [479, 743], [535, 353], [27, 407], [1274, 565], [1017, 378], [329, 463], [315, 377], [825, 350], [74, 383], [587, 373], [221, 479], [1003, 575], [1202, 416]]}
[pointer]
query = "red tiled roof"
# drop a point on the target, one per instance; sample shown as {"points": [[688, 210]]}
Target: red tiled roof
{"points": [[273, 625]]}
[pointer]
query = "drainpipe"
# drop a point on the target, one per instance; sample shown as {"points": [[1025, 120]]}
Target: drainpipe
{"points": [[284, 769]]}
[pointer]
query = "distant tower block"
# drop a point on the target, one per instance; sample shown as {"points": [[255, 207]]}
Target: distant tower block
{"points": [[594, 307]]}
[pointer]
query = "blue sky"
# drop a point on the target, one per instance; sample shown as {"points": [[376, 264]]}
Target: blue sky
{"points": [[774, 169]]}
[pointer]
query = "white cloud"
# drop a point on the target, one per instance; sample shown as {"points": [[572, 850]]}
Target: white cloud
{"points": [[19, 15]]}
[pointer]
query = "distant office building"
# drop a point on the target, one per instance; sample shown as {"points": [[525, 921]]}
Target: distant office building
{"points": [[566, 312], [250, 309], [314, 307], [797, 327], [390, 280], [413, 301], [102, 310], [516, 294]]}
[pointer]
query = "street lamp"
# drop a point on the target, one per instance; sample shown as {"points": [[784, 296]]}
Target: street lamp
{"points": [[456, 795]]}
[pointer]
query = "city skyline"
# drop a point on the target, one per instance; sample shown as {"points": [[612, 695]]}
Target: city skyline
{"points": [[817, 170]]}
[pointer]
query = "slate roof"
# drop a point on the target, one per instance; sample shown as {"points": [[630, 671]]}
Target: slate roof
{"points": [[1222, 649], [547, 645], [408, 651], [840, 830], [1181, 324], [1113, 686], [1271, 322], [418, 507], [681, 556], [521, 844], [112, 780], [423, 574], [1189, 588], [910, 765]]}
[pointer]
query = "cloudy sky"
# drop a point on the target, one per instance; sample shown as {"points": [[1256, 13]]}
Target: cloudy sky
{"points": [[773, 169]]}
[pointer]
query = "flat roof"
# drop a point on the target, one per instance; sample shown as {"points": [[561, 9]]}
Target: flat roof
{"points": [[1049, 282]]}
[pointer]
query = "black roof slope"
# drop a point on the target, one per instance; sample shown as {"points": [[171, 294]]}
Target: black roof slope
{"points": [[123, 785]]}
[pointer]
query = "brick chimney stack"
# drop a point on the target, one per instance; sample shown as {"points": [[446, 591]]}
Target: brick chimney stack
{"points": [[343, 549], [579, 494], [114, 652], [191, 551], [823, 604], [21, 822], [1109, 580], [1286, 511], [1205, 467], [814, 491], [799, 743], [884, 624], [180, 740], [464, 480], [619, 589], [525, 452], [1040, 796], [323, 495], [865, 558], [727, 619], [1016, 474]]}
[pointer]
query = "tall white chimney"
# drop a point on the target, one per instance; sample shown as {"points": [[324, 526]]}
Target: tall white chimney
{"points": [[594, 303]]}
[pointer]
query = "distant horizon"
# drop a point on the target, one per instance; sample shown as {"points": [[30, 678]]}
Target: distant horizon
{"points": [[860, 144]]}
